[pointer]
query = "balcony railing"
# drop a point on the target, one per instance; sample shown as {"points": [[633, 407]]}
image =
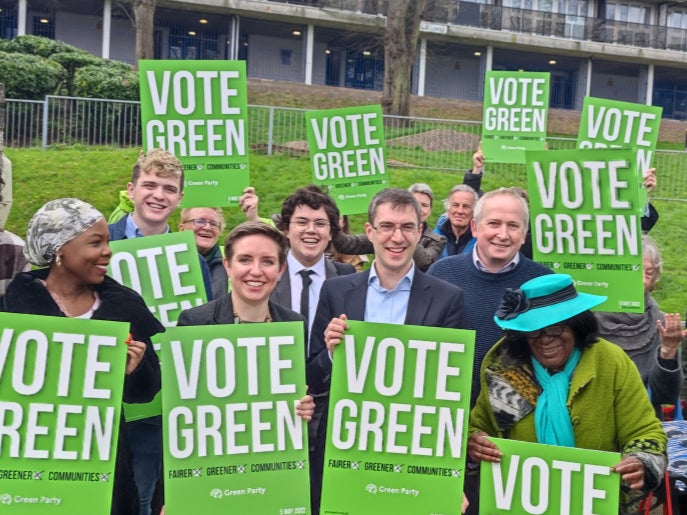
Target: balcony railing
{"points": [[525, 21]]}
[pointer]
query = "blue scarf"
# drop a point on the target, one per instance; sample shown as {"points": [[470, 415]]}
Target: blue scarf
{"points": [[551, 418]]}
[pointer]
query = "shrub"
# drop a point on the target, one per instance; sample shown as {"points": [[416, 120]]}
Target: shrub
{"points": [[115, 81], [37, 45], [41, 66], [29, 77]]}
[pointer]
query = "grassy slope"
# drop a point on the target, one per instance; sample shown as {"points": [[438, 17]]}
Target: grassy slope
{"points": [[96, 174]]}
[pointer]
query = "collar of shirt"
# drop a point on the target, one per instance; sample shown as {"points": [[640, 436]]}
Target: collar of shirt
{"points": [[132, 231], [388, 306], [403, 285], [507, 268], [296, 266]]}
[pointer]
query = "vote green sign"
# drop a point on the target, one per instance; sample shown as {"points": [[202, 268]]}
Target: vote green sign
{"points": [[61, 383], [549, 480], [585, 221], [398, 413], [347, 154], [614, 124], [232, 440], [515, 115], [197, 110], [165, 271]]}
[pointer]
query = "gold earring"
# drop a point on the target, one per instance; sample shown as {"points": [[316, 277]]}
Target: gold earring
{"points": [[58, 261]]}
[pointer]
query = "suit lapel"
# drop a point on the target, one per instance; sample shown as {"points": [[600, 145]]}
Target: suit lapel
{"points": [[419, 301], [329, 269], [356, 295], [282, 293]]}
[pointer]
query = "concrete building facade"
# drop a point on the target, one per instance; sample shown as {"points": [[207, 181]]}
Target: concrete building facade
{"points": [[618, 49]]}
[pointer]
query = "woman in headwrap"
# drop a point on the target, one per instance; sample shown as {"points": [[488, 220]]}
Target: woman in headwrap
{"points": [[651, 339], [69, 238]]}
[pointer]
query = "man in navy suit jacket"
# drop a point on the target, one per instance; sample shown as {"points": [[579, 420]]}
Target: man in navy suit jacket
{"points": [[393, 290]]}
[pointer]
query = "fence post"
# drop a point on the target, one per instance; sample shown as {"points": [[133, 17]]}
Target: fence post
{"points": [[270, 131], [44, 144]]}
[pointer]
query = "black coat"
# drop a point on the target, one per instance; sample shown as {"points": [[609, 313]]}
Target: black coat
{"points": [[27, 294]]}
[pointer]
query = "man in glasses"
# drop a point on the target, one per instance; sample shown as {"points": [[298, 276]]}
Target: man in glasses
{"points": [[207, 223], [392, 291], [310, 219]]}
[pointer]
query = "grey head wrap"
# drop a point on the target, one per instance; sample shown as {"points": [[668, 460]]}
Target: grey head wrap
{"points": [[56, 223]]}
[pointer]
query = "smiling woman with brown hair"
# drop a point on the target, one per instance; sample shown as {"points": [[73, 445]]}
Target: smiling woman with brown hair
{"points": [[69, 238]]}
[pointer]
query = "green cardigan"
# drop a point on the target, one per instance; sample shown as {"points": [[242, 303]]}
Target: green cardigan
{"points": [[608, 404]]}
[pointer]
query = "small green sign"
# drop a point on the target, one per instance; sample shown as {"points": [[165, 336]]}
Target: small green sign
{"points": [[515, 115], [61, 382], [197, 110], [614, 124], [549, 480], [347, 154], [165, 271], [233, 443], [398, 413], [585, 222]]}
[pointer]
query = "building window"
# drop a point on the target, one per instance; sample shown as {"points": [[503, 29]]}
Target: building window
{"points": [[677, 19], [44, 26], [627, 12], [8, 20]]}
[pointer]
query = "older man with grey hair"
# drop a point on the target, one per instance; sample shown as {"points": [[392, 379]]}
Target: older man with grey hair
{"points": [[455, 224]]}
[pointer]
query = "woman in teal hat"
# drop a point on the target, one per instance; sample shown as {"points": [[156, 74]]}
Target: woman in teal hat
{"points": [[552, 380]]}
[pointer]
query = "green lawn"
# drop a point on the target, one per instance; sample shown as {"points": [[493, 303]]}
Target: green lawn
{"points": [[97, 174]]}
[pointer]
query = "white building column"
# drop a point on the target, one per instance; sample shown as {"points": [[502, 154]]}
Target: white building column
{"points": [[422, 68], [21, 18], [233, 41], [650, 85], [107, 28], [588, 85], [489, 59], [309, 50]]}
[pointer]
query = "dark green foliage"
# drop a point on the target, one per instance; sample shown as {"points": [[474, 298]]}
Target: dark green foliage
{"points": [[29, 77], [113, 82], [33, 66], [37, 45]]}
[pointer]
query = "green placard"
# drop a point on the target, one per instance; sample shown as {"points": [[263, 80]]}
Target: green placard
{"points": [[197, 110], [347, 154], [585, 221], [165, 271], [549, 480], [233, 443], [515, 114], [613, 124], [61, 383], [398, 412]]}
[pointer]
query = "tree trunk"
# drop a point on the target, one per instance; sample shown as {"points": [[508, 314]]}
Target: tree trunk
{"points": [[144, 18], [400, 44]]}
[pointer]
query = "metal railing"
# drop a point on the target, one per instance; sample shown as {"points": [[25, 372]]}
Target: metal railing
{"points": [[417, 143], [527, 21]]}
